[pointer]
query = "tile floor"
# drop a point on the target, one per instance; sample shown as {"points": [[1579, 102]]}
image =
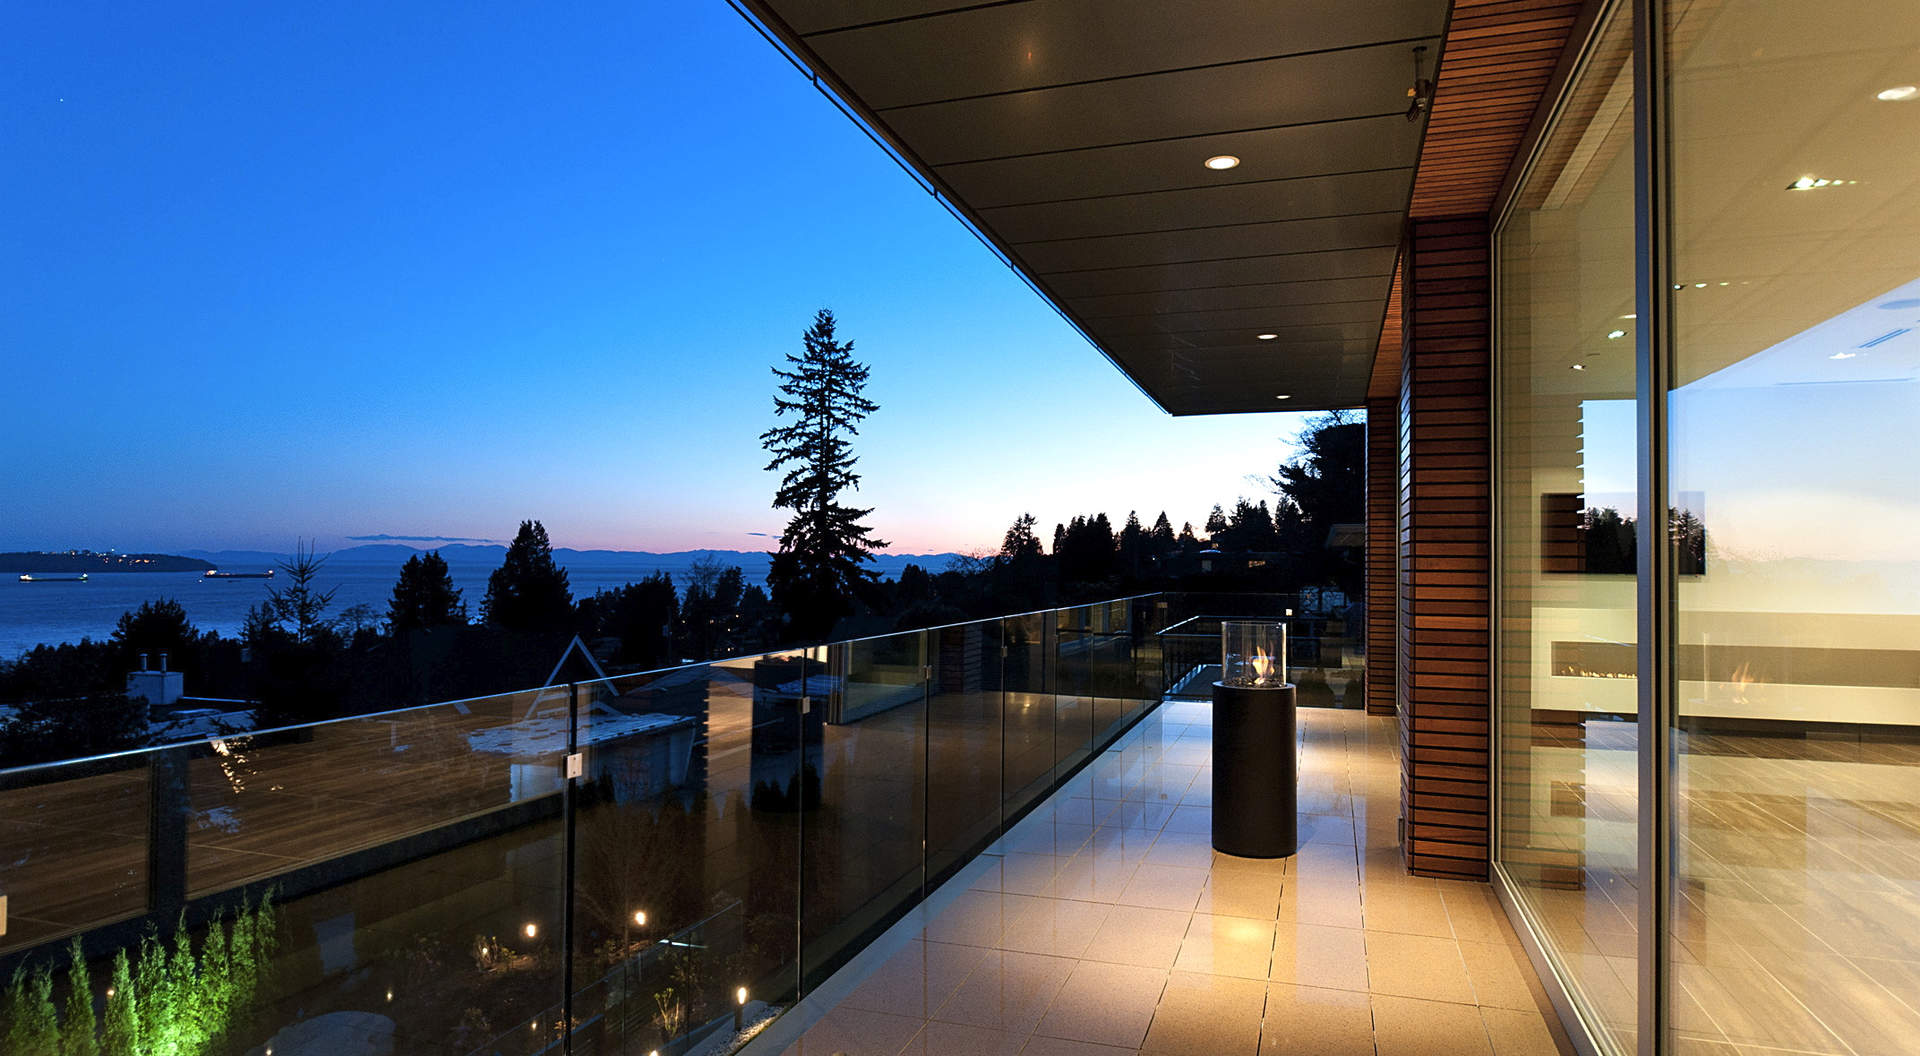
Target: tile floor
{"points": [[1105, 925]]}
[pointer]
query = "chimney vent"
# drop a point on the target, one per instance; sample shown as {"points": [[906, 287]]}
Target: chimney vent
{"points": [[143, 661], [163, 661]]}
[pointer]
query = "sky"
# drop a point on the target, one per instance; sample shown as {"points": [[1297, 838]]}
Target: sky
{"points": [[413, 270]]}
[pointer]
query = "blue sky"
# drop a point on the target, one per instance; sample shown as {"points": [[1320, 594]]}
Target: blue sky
{"points": [[428, 271]]}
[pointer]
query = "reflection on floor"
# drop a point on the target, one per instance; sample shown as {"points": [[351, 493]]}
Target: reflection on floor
{"points": [[1105, 925], [1797, 914]]}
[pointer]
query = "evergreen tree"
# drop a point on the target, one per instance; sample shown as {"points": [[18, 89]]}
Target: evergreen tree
{"points": [[528, 592], [1216, 523], [156, 627], [33, 1024], [301, 609], [642, 615], [822, 561], [77, 1026], [1326, 485], [120, 1035], [1133, 545], [1020, 542], [177, 992], [1160, 540], [216, 982], [424, 597], [1187, 540], [150, 991]]}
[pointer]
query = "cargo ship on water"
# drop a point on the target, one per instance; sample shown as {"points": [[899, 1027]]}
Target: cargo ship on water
{"points": [[214, 573], [52, 577]]}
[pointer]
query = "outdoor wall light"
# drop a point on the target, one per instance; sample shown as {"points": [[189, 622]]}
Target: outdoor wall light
{"points": [[1898, 94], [1222, 162], [531, 929]]}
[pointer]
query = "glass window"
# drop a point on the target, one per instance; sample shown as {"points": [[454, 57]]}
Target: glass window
{"points": [[1794, 419], [1566, 497]]}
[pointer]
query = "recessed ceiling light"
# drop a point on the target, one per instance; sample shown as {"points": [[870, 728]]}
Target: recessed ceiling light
{"points": [[1284, 396], [1630, 315], [1579, 366], [1843, 355], [1899, 94], [1615, 335], [1808, 183], [1222, 161], [1699, 285], [1266, 337]]}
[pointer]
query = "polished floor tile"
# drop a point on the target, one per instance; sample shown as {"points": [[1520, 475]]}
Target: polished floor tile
{"points": [[1104, 924]]}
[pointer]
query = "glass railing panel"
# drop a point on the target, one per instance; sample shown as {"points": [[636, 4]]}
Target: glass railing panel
{"points": [[862, 860], [397, 876], [281, 803], [694, 789], [1109, 664], [73, 847], [1073, 688], [1027, 751], [964, 744]]}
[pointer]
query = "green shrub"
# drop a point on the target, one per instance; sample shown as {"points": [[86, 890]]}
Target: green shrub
{"points": [[77, 1026], [120, 1035]]}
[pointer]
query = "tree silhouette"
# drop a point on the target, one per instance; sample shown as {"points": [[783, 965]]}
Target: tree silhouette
{"points": [[156, 627], [528, 592], [640, 614], [301, 609], [822, 561], [424, 597]]}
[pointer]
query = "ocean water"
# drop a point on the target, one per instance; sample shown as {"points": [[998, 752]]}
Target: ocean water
{"points": [[35, 613]]}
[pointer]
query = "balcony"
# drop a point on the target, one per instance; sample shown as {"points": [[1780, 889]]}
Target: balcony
{"points": [[970, 838]]}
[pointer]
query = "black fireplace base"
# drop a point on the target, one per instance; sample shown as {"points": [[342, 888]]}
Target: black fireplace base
{"points": [[1256, 788]]}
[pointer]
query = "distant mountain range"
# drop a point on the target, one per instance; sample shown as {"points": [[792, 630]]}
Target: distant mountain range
{"points": [[469, 557]]}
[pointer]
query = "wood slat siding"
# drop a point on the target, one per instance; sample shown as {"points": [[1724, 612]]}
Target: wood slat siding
{"points": [[1383, 549], [1498, 60], [1443, 677]]}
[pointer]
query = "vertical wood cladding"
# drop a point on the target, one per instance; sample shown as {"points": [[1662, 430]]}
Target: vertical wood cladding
{"points": [[1443, 685], [1383, 550]]}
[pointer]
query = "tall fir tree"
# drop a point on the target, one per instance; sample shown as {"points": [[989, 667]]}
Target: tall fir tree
{"points": [[822, 563], [120, 1034], [528, 592], [424, 597], [1160, 541], [77, 1036]]}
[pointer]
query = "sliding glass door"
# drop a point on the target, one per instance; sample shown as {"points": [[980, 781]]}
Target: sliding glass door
{"points": [[1708, 531]]}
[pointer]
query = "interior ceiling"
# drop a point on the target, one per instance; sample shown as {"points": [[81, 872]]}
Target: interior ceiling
{"points": [[1073, 133]]}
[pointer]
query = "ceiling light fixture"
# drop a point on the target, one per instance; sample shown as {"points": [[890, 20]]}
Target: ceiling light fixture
{"points": [[1615, 335], [1221, 162], [1808, 183], [1284, 396], [1579, 366], [1420, 96], [1265, 337], [1899, 94], [1843, 355]]}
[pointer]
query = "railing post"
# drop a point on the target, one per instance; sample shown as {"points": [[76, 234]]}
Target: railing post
{"points": [[167, 808], [568, 806]]}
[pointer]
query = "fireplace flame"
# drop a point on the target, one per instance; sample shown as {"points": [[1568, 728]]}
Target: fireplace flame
{"points": [[1262, 663]]}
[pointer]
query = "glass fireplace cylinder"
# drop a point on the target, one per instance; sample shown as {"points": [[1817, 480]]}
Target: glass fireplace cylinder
{"points": [[1253, 653]]}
